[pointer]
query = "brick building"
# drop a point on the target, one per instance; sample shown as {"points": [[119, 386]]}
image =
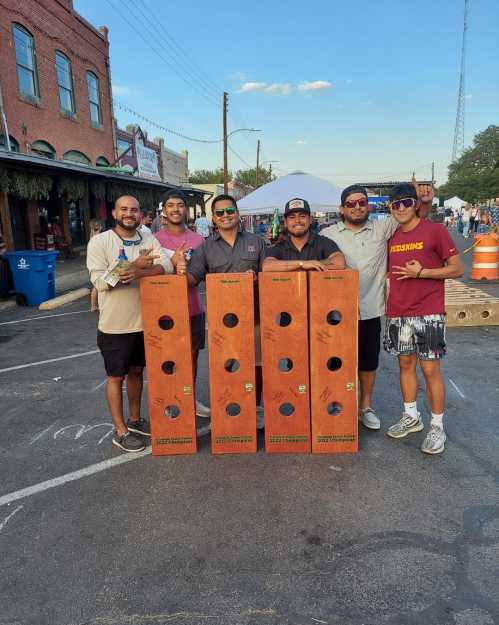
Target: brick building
{"points": [[57, 134], [55, 80]]}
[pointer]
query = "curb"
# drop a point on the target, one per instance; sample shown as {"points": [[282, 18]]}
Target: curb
{"points": [[71, 296]]}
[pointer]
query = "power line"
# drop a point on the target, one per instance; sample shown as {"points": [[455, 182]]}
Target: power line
{"points": [[203, 94], [127, 109], [178, 51]]}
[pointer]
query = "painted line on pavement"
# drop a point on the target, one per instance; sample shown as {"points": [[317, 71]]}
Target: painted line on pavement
{"points": [[78, 312], [458, 390], [44, 362], [7, 518], [71, 477]]}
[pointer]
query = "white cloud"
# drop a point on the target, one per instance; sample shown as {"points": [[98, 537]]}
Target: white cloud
{"points": [[123, 90], [316, 85], [300, 142], [278, 88], [247, 87]]}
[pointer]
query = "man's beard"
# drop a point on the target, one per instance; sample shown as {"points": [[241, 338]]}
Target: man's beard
{"points": [[128, 227], [358, 221], [300, 235]]}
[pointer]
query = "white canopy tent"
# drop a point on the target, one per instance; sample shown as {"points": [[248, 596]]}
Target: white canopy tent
{"points": [[322, 196], [455, 203]]}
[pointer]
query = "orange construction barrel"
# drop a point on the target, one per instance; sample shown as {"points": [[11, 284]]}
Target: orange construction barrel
{"points": [[485, 264]]}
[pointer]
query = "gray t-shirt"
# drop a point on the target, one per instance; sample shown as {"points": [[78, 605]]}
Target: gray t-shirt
{"points": [[366, 251]]}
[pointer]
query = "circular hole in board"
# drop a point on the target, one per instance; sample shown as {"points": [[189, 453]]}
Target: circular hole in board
{"points": [[334, 408], [230, 320], [169, 367], [286, 409], [172, 411], [333, 317], [283, 319], [231, 365], [334, 363], [285, 365], [233, 409], [166, 322]]}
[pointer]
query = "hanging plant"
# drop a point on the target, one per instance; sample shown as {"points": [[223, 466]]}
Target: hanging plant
{"points": [[29, 186], [147, 198], [98, 189], [73, 189]]}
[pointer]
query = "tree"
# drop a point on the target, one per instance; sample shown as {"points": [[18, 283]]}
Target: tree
{"points": [[474, 176], [248, 176], [208, 176]]}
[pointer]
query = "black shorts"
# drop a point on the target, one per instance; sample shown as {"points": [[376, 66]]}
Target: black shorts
{"points": [[369, 343], [121, 351], [198, 332]]}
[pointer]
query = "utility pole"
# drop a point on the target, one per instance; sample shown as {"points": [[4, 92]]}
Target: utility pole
{"points": [[458, 144], [433, 173], [257, 162], [270, 172], [226, 173]]}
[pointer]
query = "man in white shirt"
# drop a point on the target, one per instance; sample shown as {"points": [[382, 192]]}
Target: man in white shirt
{"points": [[120, 334], [202, 226]]}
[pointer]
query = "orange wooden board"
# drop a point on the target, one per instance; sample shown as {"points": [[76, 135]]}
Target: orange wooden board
{"points": [[231, 362], [284, 332], [167, 337], [333, 314]]}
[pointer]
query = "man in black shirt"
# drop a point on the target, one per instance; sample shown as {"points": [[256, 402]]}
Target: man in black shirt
{"points": [[300, 248]]}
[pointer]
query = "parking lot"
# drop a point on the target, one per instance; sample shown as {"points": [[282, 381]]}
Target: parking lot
{"points": [[91, 536]]}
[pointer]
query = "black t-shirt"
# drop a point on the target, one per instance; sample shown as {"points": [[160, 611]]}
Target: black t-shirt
{"points": [[316, 248]]}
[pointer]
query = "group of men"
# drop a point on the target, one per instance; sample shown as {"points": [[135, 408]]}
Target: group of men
{"points": [[416, 254]]}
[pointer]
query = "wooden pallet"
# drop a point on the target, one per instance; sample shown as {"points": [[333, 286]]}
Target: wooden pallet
{"points": [[468, 306]]}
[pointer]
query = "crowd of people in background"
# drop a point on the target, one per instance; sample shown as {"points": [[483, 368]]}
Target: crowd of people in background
{"points": [[473, 219]]}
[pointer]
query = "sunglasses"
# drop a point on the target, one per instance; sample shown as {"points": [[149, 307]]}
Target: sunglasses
{"points": [[407, 202], [353, 203], [220, 212]]}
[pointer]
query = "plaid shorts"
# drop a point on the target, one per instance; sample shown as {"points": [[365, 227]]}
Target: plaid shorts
{"points": [[424, 336]]}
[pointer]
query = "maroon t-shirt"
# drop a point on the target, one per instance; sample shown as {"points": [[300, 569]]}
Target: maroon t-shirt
{"points": [[431, 245]]}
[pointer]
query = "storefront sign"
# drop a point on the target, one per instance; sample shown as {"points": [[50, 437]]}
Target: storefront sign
{"points": [[147, 160]]}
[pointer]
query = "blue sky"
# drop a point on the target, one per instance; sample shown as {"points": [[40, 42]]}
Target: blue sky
{"points": [[346, 90]]}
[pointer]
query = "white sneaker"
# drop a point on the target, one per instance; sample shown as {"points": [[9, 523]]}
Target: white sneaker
{"points": [[202, 410], [369, 419], [260, 418], [434, 442]]}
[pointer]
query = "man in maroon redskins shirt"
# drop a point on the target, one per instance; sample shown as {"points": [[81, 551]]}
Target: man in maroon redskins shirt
{"points": [[421, 255]]}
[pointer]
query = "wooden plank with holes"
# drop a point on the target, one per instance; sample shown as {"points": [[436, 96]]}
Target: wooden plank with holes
{"points": [[167, 339], [231, 352], [468, 306], [333, 314], [284, 332]]}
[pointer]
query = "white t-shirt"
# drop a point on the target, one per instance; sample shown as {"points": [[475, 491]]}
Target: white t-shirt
{"points": [[119, 307]]}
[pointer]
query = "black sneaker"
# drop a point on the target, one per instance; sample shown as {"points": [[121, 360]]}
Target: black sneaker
{"points": [[128, 442], [140, 427]]}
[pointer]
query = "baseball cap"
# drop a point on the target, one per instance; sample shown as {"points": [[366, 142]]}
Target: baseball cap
{"points": [[296, 205]]}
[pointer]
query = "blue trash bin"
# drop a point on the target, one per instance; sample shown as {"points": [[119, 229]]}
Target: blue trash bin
{"points": [[33, 274]]}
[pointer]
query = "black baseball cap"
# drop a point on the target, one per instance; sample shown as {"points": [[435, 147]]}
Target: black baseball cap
{"points": [[296, 205]]}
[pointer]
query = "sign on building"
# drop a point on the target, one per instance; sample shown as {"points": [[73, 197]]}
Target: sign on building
{"points": [[147, 160]]}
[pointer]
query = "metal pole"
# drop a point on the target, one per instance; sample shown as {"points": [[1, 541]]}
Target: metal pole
{"points": [[226, 173], [257, 162]]}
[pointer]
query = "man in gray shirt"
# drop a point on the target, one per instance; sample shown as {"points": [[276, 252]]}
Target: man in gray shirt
{"points": [[364, 244], [230, 249]]}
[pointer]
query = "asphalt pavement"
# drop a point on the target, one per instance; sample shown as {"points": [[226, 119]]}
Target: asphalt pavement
{"points": [[92, 536]]}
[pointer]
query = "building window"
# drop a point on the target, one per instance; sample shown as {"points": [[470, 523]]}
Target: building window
{"points": [[14, 145], [76, 157], [65, 83], [94, 99], [102, 162], [42, 148], [124, 146], [26, 62]]}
